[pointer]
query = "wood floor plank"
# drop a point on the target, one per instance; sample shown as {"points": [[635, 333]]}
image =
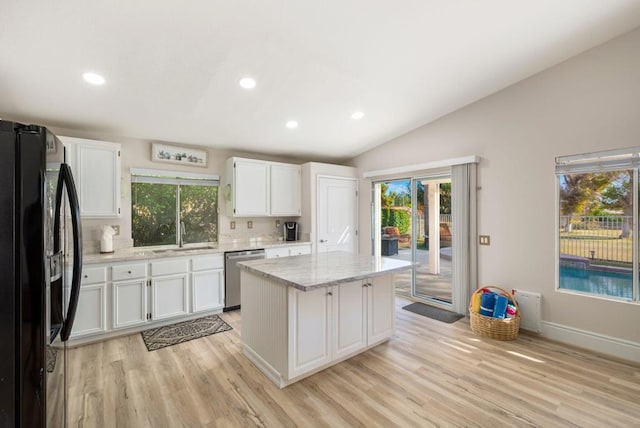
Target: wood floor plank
{"points": [[429, 374]]}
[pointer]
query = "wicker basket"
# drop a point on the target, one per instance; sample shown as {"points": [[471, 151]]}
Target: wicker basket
{"points": [[495, 328]]}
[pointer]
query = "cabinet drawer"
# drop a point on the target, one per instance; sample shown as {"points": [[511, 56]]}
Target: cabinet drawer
{"points": [[272, 253], [169, 267], [300, 250], [124, 272], [94, 275], [207, 262]]}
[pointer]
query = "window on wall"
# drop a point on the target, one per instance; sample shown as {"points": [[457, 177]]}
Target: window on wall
{"points": [[173, 210], [598, 224]]}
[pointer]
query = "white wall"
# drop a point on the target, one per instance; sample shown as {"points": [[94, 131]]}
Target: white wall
{"points": [[588, 103]]}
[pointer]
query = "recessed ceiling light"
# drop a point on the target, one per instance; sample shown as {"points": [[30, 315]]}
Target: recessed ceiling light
{"points": [[357, 115], [292, 124], [93, 78], [247, 83]]}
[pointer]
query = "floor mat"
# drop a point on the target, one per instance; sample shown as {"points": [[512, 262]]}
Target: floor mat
{"points": [[433, 312], [161, 337]]}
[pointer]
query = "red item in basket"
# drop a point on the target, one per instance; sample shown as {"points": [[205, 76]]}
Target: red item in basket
{"points": [[511, 310]]}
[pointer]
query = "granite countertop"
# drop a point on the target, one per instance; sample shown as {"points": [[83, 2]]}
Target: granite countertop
{"points": [[150, 253], [313, 271]]}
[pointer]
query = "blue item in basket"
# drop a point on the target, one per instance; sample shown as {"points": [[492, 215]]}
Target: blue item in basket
{"points": [[500, 308], [487, 304]]}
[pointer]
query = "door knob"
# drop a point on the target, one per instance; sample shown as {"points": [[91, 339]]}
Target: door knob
{"points": [[323, 240]]}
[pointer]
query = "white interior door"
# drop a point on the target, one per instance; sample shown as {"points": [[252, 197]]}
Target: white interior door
{"points": [[337, 214]]}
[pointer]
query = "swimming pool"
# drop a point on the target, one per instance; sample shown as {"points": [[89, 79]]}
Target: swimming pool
{"points": [[598, 282]]}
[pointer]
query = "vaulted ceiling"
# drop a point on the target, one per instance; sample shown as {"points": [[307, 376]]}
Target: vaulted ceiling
{"points": [[172, 68]]}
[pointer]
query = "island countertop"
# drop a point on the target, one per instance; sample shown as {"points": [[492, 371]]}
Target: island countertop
{"points": [[313, 271]]}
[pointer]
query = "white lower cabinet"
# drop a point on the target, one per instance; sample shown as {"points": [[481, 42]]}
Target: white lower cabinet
{"points": [[207, 290], [309, 330], [129, 303], [381, 321], [293, 250], [350, 305], [91, 312], [330, 324], [207, 283], [169, 296]]}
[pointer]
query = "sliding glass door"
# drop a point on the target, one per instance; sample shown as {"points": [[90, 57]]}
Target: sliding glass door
{"points": [[412, 221], [432, 239]]}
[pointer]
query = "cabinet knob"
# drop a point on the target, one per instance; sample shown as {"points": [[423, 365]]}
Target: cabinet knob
{"points": [[329, 293], [323, 240], [129, 272], [86, 276]]}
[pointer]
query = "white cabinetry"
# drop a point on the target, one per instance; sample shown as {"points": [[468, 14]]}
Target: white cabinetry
{"points": [[286, 251], [169, 288], [129, 303], [97, 171], [330, 324], [207, 283], [309, 330], [129, 294], [289, 334], [123, 297], [92, 303], [285, 183], [258, 188]]}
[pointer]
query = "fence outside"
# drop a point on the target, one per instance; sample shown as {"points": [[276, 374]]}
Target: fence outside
{"points": [[604, 239]]}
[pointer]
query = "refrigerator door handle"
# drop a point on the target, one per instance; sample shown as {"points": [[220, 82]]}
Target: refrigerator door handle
{"points": [[74, 206]]}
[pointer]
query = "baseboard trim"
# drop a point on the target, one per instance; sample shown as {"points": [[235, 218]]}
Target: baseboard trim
{"points": [[602, 343]]}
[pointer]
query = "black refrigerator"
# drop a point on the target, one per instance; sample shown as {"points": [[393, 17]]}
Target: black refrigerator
{"points": [[40, 237]]}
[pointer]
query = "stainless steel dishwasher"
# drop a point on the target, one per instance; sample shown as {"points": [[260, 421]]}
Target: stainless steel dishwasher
{"points": [[232, 276]]}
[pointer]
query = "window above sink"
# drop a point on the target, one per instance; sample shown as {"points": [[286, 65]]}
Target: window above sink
{"points": [[171, 210]]}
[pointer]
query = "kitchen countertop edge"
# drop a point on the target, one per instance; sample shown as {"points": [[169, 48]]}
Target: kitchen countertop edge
{"points": [[133, 254]]}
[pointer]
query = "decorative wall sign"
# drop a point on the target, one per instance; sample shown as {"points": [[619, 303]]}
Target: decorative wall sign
{"points": [[182, 155]]}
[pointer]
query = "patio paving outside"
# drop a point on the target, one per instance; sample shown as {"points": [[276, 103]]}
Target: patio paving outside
{"points": [[427, 285]]}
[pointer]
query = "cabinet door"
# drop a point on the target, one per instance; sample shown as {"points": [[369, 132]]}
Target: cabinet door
{"points": [[350, 318], [309, 330], [251, 192], [98, 178], [285, 189], [207, 290], [380, 308], [169, 296], [129, 303], [91, 312]]}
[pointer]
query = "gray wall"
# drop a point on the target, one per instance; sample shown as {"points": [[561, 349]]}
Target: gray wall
{"points": [[588, 103]]}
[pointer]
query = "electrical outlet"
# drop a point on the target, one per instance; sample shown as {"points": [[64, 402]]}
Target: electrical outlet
{"points": [[249, 224], [232, 225], [277, 223], [116, 228], [485, 240]]}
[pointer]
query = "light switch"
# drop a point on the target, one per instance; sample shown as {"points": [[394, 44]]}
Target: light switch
{"points": [[485, 240], [277, 223], [232, 225], [116, 228], [249, 224]]}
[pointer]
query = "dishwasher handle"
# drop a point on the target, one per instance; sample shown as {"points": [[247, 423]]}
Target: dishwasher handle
{"points": [[254, 256]]}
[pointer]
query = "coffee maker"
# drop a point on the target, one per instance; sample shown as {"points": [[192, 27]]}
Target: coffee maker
{"points": [[290, 231]]}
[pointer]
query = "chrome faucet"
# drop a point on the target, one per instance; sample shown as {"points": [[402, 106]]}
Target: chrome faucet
{"points": [[183, 231]]}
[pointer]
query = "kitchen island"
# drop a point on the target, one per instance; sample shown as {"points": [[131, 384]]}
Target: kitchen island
{"points": [[303, 314]]}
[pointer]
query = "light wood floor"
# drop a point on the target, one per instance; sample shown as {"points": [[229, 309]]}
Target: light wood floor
{"points": [[428, 374]]}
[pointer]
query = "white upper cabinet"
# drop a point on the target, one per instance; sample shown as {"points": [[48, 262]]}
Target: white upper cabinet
{"points": [[285, 189], [258, 188], [96, 169], [248, 191]]}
